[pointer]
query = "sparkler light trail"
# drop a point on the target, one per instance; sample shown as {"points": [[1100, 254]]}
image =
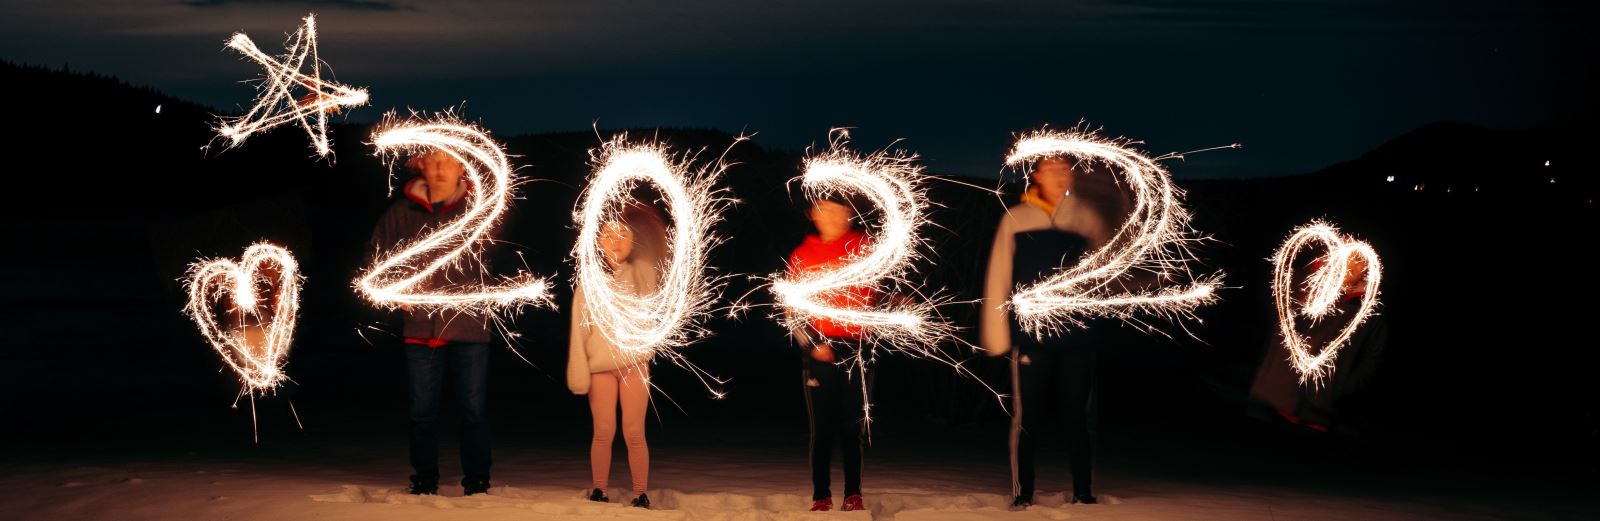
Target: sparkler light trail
{"points": [[256, 339], [1325, 286], [654, 323], [395, 279], [894, 184], [257, 360], [277, 104], [1154, 241]]}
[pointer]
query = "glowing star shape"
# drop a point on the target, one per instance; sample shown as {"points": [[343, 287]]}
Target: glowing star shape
{"points": [[653, 323], [1323, 291], [893, 183], [255, 340], [396, 279], [277, 103], [1153, 241]]}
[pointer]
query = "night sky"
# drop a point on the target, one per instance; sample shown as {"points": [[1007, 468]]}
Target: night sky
{"points": [[1302, 84]]}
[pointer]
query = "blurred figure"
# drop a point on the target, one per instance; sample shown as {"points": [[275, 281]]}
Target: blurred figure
{"points": [[835, 394], [1338, 403], [1053, 226]]}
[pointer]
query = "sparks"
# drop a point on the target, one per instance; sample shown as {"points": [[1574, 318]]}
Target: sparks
{"points": [[652, 323], [257, 341], [1154, 241], [394, 279], [893, 183], [276, 103], [1324, 288]]}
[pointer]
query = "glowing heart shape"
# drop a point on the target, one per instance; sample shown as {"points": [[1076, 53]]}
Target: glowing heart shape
{"points": [[254, 339], [1325, 287]]}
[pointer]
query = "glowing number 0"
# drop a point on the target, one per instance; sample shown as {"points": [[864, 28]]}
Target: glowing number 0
{"points": [[645, 323]]}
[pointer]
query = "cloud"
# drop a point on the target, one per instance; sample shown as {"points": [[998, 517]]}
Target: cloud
{"points": [[367, 5]]}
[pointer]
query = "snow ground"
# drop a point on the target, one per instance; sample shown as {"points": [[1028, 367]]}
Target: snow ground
{"points": [[364, 480]]}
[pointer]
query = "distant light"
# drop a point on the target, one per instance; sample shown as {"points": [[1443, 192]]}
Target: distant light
{"points": [[1474, 188], [1391, 178], [1417, 188], [1552, 180], [1547, 162], [1448, 189], [158, 108]]}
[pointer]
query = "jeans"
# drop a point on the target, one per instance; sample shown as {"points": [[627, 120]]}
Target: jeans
{"points": [[468, 366]]}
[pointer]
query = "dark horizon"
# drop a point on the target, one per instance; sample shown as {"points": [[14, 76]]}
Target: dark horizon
{"points": [[1302, 86], [1176, 166]]}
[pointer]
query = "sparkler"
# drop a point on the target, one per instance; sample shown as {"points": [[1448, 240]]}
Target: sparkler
{"points": [[652, 323], [277, 104], [395, 279], [1155, 240], [257, 342], [1324, 288]]}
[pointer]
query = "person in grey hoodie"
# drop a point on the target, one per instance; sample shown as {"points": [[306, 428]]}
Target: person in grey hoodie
{"points": [[597, 368], [1051, 227]]}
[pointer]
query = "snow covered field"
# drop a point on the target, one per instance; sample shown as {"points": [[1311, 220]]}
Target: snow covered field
{"points": [[352, 479]]}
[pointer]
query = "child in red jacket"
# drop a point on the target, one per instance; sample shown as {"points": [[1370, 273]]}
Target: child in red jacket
{"points": [[835, 395]]}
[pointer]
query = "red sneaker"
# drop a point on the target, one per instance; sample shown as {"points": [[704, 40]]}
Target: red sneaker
{"points": [[822, 505], [853, 502]]}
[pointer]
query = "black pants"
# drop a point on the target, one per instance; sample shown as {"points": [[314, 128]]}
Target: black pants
{"points": [[469, 369], [834, 402], [1065, 378]]}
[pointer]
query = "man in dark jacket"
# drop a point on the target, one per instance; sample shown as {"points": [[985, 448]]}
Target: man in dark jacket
{"points": [[440, 340]]}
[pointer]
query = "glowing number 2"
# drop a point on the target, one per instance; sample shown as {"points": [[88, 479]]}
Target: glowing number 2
{"points": [[644, 323], [1153, 239], [892, 184], [394, 280]]}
